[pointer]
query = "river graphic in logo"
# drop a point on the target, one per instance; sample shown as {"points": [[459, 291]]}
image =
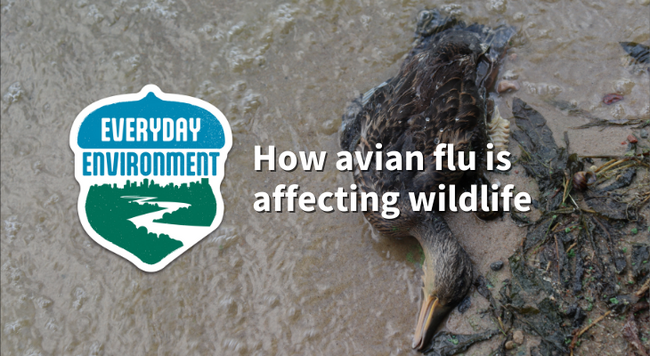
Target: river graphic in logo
{"points": [[150, 166]]}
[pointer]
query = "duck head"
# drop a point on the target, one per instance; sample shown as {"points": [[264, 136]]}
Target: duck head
{"points": [[448, 275]]}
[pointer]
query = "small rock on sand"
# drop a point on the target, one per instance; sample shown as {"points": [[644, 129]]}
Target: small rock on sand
{"points": [[518, 337], [496, 266], [632, 139], [507, 85]]}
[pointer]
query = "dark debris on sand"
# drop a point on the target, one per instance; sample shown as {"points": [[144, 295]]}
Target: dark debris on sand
{"points": [[640, 53], [574, 255], [583, 261]]}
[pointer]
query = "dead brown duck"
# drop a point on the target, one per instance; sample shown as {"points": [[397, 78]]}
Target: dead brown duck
{"points": [[438, 96]]}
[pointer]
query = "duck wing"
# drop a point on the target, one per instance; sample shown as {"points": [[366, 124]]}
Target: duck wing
{"points": [[434, 99]]}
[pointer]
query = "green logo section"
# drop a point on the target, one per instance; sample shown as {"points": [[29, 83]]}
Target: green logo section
{"points": [[110, 209]]}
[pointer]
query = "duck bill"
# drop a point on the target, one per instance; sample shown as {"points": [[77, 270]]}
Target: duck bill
{"points": [[432, 314]]}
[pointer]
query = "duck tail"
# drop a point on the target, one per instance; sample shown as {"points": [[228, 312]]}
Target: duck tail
{"points": [[498, 38]]}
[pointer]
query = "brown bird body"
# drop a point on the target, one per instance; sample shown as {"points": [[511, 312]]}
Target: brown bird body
{"points": [[437, 97]]}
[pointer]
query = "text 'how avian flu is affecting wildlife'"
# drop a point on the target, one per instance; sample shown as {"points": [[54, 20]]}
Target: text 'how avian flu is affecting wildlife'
{"points": [[440, 198]]}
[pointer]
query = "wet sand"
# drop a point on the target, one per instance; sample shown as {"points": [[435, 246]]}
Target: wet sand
{"points": [[282, 73]]}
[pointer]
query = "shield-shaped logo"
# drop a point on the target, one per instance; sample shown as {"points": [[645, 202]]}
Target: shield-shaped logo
{"points": [[150, 166]]}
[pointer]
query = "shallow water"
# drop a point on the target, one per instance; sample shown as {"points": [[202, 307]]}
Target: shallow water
{"points": [[282, 73]]}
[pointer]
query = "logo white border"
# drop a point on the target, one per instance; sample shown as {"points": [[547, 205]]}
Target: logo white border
{"points": [[85, 182]]}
